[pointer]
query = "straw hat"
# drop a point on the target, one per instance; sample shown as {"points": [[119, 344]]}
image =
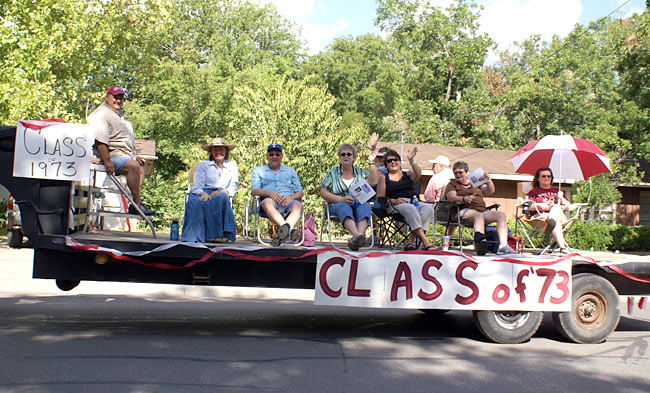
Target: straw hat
{"points": [[217, 142]]}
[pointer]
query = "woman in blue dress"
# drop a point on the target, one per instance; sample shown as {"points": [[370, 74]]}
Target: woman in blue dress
{"points": [[208, 213]]}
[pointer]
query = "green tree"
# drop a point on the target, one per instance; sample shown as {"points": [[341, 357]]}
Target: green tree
{"points": [[443, 54], [296, 114], [362, 73], [58, 56]]}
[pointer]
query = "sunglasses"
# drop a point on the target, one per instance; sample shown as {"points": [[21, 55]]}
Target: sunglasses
{"points": [[275, 154], [545, 176], [389, 160], [345, 154], [459, 172]]}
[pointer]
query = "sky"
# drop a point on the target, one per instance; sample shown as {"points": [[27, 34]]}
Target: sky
{"points": [[506, 21]]}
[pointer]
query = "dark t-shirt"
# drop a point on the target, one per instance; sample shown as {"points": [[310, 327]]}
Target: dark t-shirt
{"points": [[477, 204]]}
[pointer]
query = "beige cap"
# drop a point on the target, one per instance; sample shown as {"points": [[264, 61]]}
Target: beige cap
{"points": [[443, 160], [217, 142]]}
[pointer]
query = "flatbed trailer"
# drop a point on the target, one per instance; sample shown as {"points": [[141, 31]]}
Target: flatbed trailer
{"points": [[70, 255]]}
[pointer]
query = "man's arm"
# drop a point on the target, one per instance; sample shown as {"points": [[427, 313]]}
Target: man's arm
{"points": [[105, 156], [430, 192]]}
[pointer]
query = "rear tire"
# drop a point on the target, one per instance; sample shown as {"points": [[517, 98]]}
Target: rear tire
{"points": [[15, 238], [508, 327], [594, 310]]}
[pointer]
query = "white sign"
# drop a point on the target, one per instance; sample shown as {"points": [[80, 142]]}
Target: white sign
{"points": [[443, 280], [53, 150]]}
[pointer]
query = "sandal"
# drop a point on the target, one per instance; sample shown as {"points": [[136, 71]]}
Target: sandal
{"points": [[410, 247], [430, 248]]}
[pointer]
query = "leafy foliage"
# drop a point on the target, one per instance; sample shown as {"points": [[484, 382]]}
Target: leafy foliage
{"points": [[601, 236], [58, 56], [590, 235], [295, 114]]}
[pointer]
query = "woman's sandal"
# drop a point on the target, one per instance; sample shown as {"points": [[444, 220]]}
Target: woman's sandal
{"points": [[430, 248], [410, 247]]}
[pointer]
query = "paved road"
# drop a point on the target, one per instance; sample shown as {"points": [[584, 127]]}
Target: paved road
{"points": [[108, 337]]}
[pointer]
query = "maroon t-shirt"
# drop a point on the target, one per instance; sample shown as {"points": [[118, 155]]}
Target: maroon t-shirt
{"points": [[544, 195]]}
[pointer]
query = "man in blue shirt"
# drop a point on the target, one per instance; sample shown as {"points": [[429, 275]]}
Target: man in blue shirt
{"points": [[280, 190]]}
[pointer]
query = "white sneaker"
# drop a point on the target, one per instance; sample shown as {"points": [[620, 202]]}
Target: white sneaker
{"points": [[505, 249]]}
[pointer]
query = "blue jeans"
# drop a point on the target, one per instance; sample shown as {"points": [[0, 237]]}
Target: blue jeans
{"points": [[119, 162], [207, 220], [284, 210], [344, 210]]}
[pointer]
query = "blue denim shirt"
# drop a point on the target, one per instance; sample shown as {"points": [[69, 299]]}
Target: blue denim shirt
{"points": [[209, 175], [285, 181]]}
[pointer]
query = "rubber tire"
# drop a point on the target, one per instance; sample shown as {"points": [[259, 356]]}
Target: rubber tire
{"points": [[66, 285], [601, 299], [15, 238], [508, 327]]}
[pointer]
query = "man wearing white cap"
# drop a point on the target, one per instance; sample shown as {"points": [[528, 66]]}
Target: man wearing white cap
{"points": [[442, 175], [280, 189], [115, 144]]}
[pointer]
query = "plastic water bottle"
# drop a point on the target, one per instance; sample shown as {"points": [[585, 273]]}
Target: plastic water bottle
{"points": [[173, 231]]}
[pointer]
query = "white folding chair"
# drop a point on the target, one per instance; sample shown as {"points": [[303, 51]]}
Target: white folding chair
{"points": [[253, 212], [329, 218]]}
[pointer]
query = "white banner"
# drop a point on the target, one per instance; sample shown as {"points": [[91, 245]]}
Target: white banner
{"points": [[444, 280], [52, 150]]}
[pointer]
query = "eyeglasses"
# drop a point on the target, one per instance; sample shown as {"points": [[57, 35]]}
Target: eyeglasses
{"points": [[544, 176], [271, 154], [393, 159], [459, 172], [345, 154], [118, 96]]}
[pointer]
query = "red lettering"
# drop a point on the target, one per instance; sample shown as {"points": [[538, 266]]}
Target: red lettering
{"points": [[501, 288], [549, 275], [521, 287], [562, 286], [425, 274], [322, 276], [402, 269], [463, 281], [352, 282]]}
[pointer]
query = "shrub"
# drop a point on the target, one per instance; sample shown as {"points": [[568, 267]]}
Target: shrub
{"points": [[630, 238], [590, 235]]}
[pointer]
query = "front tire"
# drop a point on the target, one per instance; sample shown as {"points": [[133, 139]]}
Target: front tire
{"points": [[594, 310], [508, 327], [66, 285], [15, 238]]}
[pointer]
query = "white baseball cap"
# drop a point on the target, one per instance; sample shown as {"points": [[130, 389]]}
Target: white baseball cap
{"points": [[443, 160]]}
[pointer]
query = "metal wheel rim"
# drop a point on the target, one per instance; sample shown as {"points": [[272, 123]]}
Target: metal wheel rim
{"points": [[511, 319], [590, 310]]}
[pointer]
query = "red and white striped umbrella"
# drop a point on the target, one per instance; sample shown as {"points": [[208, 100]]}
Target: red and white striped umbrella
{"points": [[568, 157]]}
